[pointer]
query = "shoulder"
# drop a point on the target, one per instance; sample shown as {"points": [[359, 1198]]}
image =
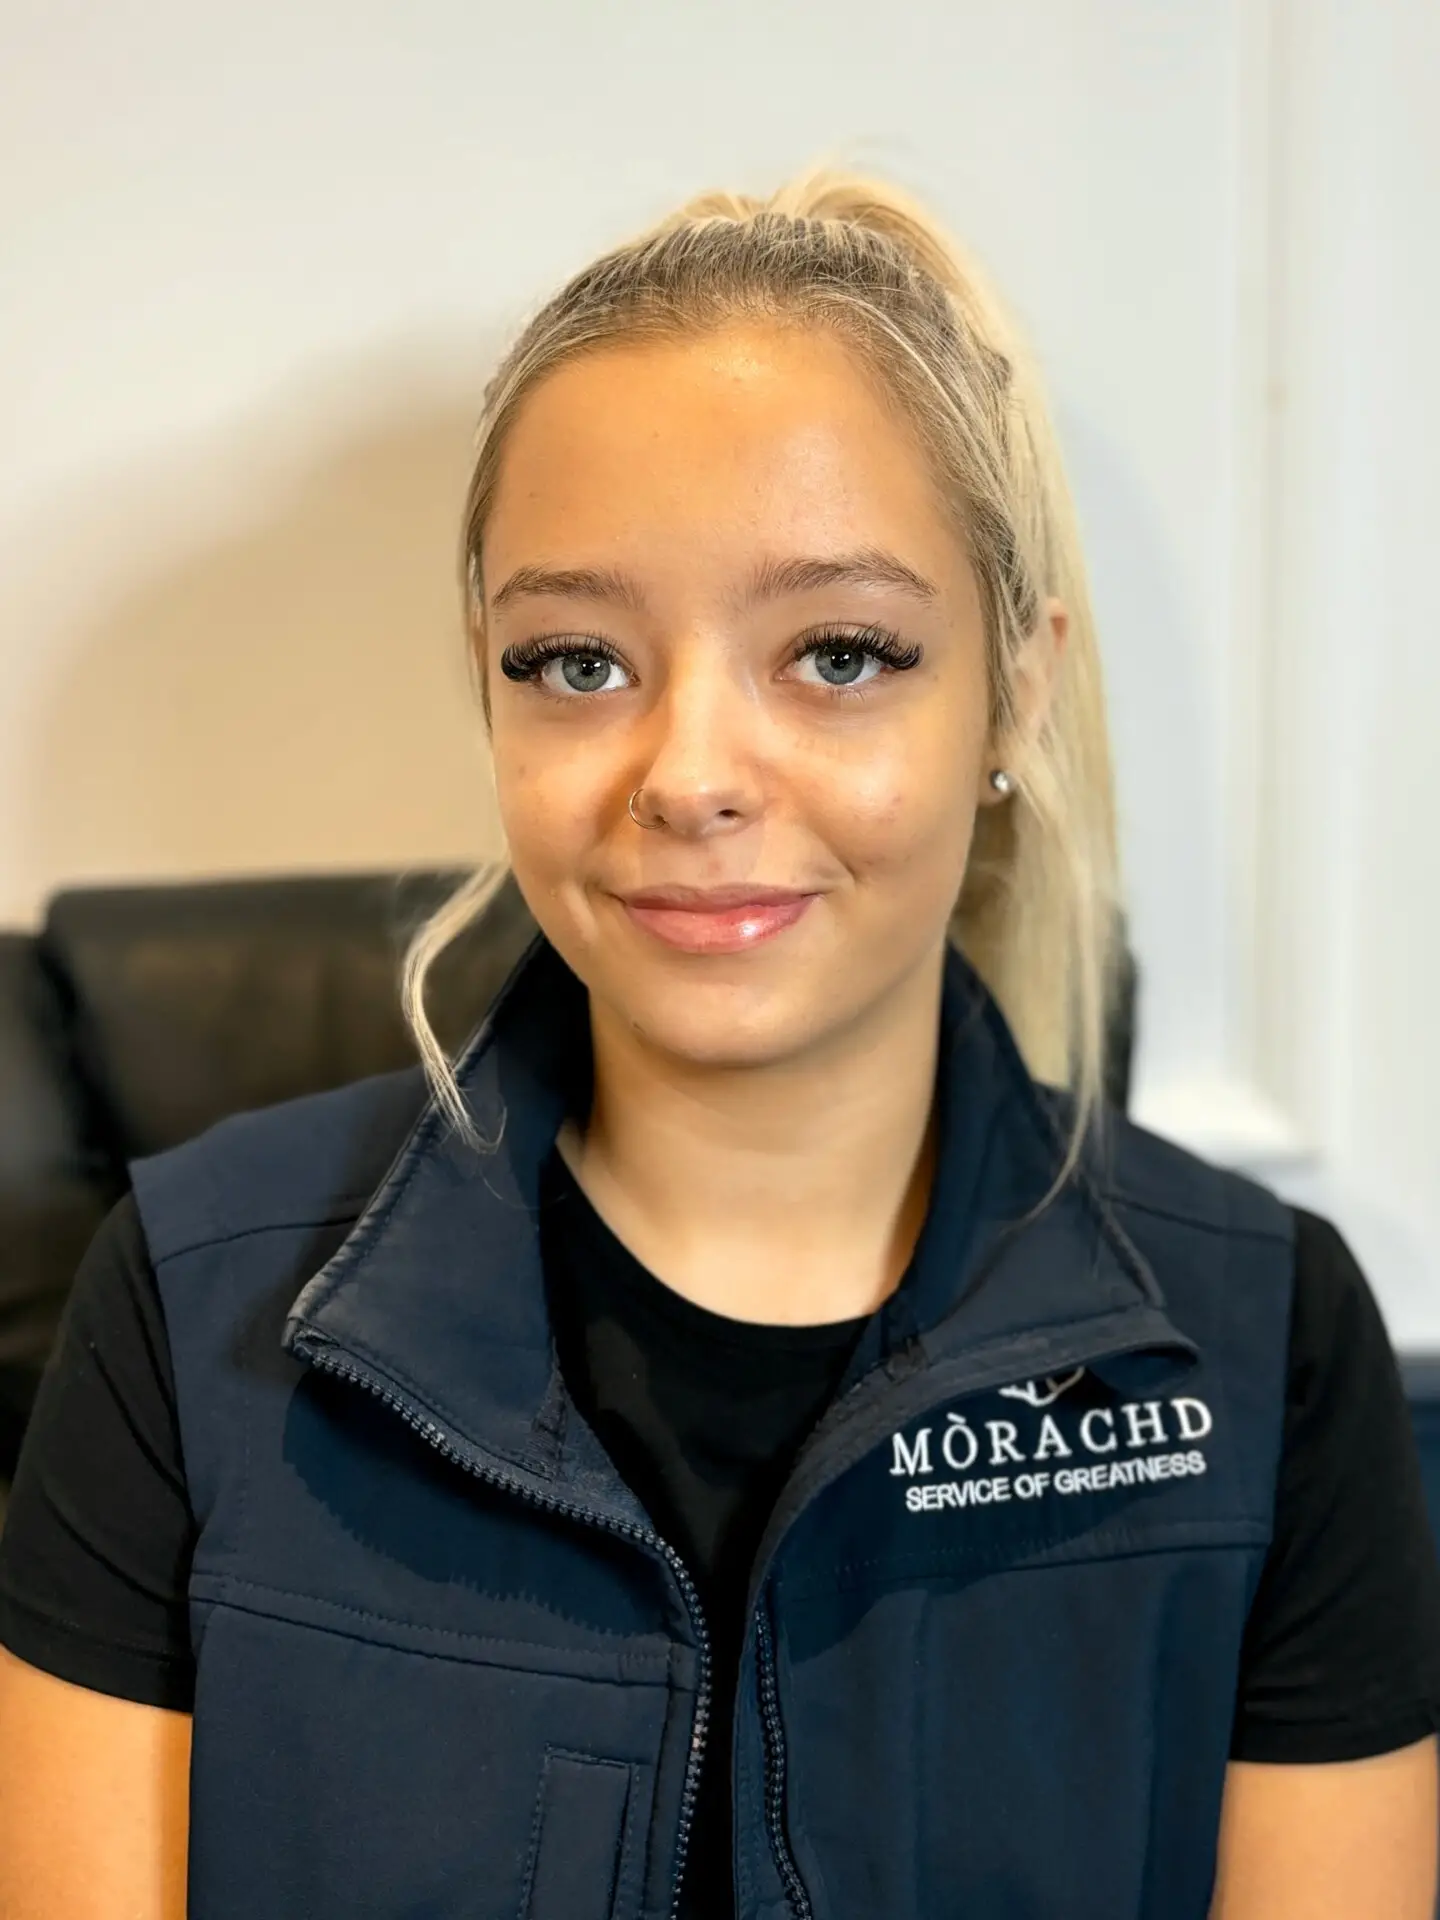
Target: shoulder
{"points": [[1145, 1177], [1327, 1274], [306, 1161], [1218, 1244], [1338, 1338]]}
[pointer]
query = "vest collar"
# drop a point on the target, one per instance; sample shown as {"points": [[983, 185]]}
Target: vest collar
{"points": [[437, 1294]]}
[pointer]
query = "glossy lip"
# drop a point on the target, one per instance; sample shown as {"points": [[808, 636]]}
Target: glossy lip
{"points": [[714, 899], [733, 929]]}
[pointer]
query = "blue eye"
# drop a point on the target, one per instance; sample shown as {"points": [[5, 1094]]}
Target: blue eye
{"points": [[584, 666], [586, 660], [853, 649]]}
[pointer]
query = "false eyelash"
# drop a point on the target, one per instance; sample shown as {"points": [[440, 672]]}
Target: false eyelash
{"points": [[886, 646], [524, 660]]}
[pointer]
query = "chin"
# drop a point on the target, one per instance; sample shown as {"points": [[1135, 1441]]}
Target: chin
{"points": [[722, 1023]]}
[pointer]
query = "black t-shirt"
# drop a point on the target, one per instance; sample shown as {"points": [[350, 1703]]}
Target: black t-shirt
{"points": [[703, 1415]]}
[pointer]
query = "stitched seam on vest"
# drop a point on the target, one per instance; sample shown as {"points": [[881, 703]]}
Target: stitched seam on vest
{"points": [[230, 1585], [1179, 1536], [1230, 1228], [1222, 1385], [537, 1823], [1089, 1186], [349, 1211], [1278, 1398], [1154, 1869]]}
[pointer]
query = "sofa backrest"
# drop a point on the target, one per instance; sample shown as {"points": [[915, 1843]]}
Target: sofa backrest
{"points": [[138, 1015]]}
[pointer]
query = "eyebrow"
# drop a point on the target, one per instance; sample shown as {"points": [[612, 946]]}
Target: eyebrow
{"points": [[771, 580]]}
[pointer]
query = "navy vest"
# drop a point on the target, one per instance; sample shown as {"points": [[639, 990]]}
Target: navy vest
{"points": [[447, 1669]]}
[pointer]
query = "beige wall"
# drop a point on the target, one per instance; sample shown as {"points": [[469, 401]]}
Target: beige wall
{"points": [[242, 650]]}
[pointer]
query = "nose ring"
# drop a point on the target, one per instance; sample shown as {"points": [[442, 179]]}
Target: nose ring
{"points": [[648, 825]]}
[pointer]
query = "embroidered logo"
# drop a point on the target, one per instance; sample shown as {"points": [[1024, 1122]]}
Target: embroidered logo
{"points": [[1042, 1393], [1084, 1449]]}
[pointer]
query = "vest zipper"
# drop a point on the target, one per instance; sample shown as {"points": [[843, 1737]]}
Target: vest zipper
{"points": [[322, 1357], [891, 1404], [775, 1769], [970, 1380]]}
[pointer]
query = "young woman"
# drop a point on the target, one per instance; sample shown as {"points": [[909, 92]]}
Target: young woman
{"points": [[754, 1435]]}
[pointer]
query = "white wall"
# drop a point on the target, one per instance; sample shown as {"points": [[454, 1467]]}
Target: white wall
{"points": [[256, 262], [1348, 929]]}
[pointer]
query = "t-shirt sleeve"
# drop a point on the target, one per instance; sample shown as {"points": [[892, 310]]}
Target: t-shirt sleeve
{"points": [[1342, 1648], [96, 1546]]}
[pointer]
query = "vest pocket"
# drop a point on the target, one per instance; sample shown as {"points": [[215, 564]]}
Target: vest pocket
{"points": [[577, 1838]]}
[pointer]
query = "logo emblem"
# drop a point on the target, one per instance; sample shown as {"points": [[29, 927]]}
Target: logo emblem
{"points": [[1043, 1393]]}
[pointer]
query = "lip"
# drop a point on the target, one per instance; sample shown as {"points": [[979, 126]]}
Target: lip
{"points": [[714, 899], [707, 928]]}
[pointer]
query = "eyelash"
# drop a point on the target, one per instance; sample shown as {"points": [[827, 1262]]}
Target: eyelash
{"points": [[524, 660]]}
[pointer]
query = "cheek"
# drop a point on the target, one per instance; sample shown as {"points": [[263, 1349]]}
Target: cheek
{"points": [[539, 806], [908, 802], [553, 803]]}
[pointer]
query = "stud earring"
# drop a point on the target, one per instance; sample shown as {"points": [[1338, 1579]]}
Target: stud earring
{"points": [[1001, 781]]}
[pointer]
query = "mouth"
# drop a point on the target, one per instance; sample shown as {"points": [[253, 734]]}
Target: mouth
{"points": [[718, 919], [746, 893]]}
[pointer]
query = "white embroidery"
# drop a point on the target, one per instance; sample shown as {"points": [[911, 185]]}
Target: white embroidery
{"points": [[1131, 1429], [1038, 1394]]}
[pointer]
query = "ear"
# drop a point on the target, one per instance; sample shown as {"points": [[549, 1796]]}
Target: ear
{"points": [[1037, 671]]}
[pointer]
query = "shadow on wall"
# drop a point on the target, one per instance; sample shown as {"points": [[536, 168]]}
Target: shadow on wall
{"points": [[280, 681]]}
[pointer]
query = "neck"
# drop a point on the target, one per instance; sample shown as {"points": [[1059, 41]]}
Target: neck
{"points": [[790, 1194]]}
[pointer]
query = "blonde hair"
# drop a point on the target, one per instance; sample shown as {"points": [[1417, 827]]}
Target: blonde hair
{"points": [[1038, 911]]}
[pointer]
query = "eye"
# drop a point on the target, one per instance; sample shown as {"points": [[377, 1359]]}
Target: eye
{"points": [[845, 653], [584, 664]]}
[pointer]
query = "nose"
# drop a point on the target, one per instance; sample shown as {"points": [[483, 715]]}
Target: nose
{"points": [[699, 769]]}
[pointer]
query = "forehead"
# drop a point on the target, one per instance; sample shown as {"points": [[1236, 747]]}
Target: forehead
{"points": [[780, 433]]}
